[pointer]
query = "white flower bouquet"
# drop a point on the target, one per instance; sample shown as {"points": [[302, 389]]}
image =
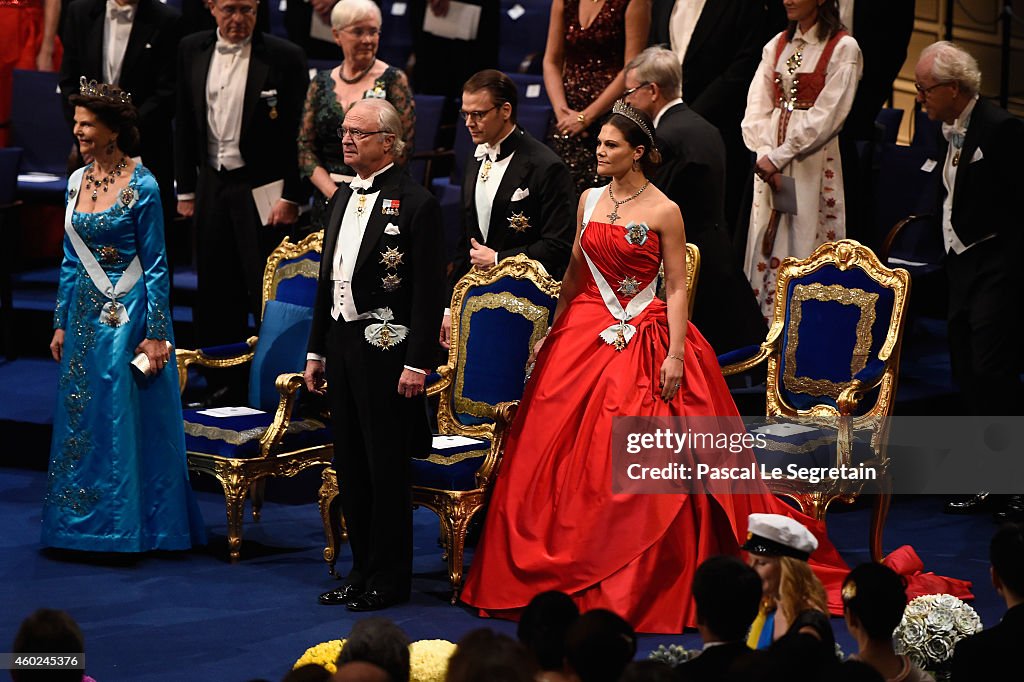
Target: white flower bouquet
{"points": [[932, 625]]}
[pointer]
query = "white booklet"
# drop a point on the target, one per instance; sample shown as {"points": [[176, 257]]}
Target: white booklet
{"points": [[265, 197], [446, 442], [320, 29], [240, 411], [784, 200], [461, 22]]}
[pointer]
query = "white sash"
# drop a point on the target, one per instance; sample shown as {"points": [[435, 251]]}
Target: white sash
{"points": [[618, 334], [114, 313]]}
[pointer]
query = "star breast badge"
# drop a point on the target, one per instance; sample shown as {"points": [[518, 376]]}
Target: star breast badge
{"points": [[629, 286], [519, 222], [391, 258]]}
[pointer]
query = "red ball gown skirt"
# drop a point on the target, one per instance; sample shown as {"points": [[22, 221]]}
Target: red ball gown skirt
{"points": [[553, 521]]}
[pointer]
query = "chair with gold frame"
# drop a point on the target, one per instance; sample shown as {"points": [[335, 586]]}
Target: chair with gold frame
{"points": [[498, 315], [692, 277], [271, 438], [834, 341]]}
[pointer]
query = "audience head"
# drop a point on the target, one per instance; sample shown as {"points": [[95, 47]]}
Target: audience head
{"points": [[1006, 553], [727, 593], [823, 13], [653, 78], [634, 128], [311, 672], [105, 119], [598, 646], [486, 656], [236, 19], [542, 627], [947, 77], [360, 671], [356, 28], [380, 642], [648, 671], [48, 631], [874, 598], [371, 136], [489, 102], [779, 548]]}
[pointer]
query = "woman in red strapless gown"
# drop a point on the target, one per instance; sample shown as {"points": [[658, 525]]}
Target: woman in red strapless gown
{"points": [[553, 521]]}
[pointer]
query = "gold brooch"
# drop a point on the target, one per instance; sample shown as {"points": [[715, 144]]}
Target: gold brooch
{"points": [[391, 258], [485, 171], [519, 222], [127, 195]]}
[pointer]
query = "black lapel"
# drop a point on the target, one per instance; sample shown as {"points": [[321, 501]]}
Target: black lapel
{"points": [[517, 171], [333, 228], [259, 67], [706, 23], [143, 28], [94, 38], [390, 188], [469, 187], [975, 129], [200, 72]]}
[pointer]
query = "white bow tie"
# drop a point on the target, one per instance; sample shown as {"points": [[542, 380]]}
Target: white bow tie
{"points": [[487, 150], [361, 183], [954, 134], [122, 15], [224, 47]]}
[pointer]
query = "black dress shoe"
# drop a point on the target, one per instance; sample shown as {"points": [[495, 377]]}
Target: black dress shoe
{"points": [[971, 504], [372, 601], [342, 595], [1012, 510]]}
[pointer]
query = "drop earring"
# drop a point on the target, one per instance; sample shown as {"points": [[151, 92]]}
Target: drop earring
{"points": [[110, 147]]}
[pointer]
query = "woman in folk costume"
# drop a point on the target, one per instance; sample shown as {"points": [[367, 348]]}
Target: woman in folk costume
{"points": [[796, 105]]}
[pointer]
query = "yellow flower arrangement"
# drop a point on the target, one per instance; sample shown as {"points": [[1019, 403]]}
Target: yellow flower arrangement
{"points": [[428, 658]]}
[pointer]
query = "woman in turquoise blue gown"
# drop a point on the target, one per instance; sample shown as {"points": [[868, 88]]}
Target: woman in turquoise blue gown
{"points": [[118, 479]]}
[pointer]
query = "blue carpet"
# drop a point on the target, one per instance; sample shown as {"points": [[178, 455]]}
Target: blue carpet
{"points": [[193, 615]]}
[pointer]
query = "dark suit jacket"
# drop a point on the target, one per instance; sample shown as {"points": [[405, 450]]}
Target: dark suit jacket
{"points": [[548, 208], [268, 144], [992, 654], [418, 303], [989, 181], [148, 71], [712, 665], [722, 56]]}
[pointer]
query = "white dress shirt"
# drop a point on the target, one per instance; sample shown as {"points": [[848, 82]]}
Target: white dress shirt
{"points": [[117, 29], [225, 95], [487, 188], [685, 14], [955, 134]]}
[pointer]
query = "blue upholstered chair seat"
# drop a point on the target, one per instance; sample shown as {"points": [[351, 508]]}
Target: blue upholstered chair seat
{"points": [[452, 468], [239, 436]]}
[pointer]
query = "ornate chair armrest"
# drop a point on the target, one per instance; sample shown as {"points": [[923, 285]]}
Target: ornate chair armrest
{"points": [[288, 386], [865, 380], [504, 414], [439, 380], [742, 359], [894, 232], [213, 356]]}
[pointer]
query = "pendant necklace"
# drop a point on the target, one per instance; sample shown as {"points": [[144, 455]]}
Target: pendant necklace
{"points": [[108, 178], [614, 215]]}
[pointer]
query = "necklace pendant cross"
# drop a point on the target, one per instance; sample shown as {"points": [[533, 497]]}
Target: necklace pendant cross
{"points": [[614, 215]]}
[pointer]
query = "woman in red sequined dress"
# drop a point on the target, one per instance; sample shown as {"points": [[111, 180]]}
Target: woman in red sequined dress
{"points": [[589, 43], [614, 350], [28, 40]]}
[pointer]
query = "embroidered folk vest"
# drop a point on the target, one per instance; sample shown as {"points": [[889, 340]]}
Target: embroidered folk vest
{"points": [[806, 86]]}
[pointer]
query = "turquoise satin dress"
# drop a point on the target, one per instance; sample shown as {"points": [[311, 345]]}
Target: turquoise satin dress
{"points": [[118, 479]]}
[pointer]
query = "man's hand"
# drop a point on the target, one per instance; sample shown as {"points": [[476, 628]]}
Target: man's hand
{"points": [[411, 383], [481, 256], [314, 376], [283, 213], [186, 207], [446, 332]]}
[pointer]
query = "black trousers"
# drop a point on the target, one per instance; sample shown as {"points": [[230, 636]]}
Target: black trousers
{"points": [[231, 253], [376, 432], [984, 327]]}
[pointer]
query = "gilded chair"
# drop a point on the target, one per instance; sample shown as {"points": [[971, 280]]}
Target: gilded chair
{"points": [[833, 355], [692, 275], [498, 315], [241, 447]]}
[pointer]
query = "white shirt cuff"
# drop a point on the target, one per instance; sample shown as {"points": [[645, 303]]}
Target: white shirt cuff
{"points": [[416, 369], [315, 356], [448, 312], [187, 196]]}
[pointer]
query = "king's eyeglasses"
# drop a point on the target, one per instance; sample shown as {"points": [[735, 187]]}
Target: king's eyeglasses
{"points": [[629, 92], [358, 134], [476, 116], [925, 91]]}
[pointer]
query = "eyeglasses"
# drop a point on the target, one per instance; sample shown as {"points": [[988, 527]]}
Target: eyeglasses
{"points": [[925, 91], [476, 115], [232, 10], [358, 134], [629, 92], [360, 32]]}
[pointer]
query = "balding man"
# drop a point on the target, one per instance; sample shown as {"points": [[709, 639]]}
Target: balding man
{"points": [[692, 174], [380, 294]]}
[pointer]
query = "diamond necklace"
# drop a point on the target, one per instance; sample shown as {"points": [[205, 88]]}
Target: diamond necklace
{"points": [[107, 179], [614, 215]]}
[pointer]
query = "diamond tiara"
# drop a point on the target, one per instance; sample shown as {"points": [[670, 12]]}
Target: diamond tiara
{"points": [[623, 109], [90, 88]]}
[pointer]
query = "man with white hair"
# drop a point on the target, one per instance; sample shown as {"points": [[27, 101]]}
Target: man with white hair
{"points": [[379, 296], [981, 183], [692, 174]]}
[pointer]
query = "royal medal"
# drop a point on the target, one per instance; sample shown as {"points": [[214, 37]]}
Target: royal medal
{"points": [[636, 233], [519, 222], [391, 283], [629, 286], [272, 103], [391, 258], [390, 206]]}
